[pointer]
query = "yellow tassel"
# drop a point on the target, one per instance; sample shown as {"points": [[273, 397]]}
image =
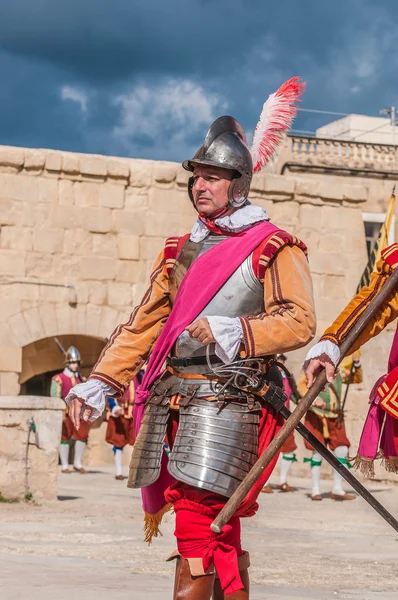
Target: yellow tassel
{"points": [[152, 523]]}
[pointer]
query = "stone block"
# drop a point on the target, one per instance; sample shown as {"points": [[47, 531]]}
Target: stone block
{"points": [[78, 242], [19, 187], [150, 247], [16, 238], [34, 324], [54, 161], [332, 241], [127, 221], [278, 184], [98, 267], [65, 318], [48, 190], [333, 287], [104, 245], [118, 169], [128, 246], [66, 217], [9, 385], [160, 224], [11, 157], [307, 187], [93, 320], [37, 215], [11, 358], [65, 192], [135, 199], [70, 163], [48, 240], [328, 263], [354, 193], [164, 173], [182, 177], [340, 218], [98, 293], [120, 294], [129, 271], [12, 263], [95, 166], [8, 212], [38, 264], [171, 201], [49, 316], [285, 214], [109, 321], [96, 220], [311, 216], [112, 195], [34, 160], [87, 194], [311, 238], [140, 173]]}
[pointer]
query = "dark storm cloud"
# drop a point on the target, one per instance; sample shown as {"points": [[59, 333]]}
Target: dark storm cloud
{"points": [[146, 78]]}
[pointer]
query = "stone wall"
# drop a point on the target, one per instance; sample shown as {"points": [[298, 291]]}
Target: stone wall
{"points": [[79, 233], [29, 468]]}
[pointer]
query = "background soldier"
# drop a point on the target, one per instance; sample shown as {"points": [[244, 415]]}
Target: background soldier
{"points": [[61, 384], [326, 422]]}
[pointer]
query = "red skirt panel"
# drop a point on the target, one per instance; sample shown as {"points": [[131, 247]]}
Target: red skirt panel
{"points": [[336, 433], [120, 432], [69, 431]]}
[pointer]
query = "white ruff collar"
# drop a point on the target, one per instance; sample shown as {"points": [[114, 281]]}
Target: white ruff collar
{"points": [[238, 221]]}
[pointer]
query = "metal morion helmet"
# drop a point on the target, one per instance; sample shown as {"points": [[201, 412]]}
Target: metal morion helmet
{"points": [[225, 146], [72, 355]]}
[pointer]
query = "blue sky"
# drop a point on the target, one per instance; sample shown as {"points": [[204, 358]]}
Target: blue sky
{"points": [[145, 78]]}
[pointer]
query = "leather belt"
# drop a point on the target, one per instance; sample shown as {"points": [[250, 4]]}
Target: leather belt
{"points": [[193, 362]]}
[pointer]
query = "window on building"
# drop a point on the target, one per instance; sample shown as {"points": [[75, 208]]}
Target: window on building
{"points": [[372, 223]]}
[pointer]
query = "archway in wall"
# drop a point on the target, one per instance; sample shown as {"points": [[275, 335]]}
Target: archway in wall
{"points": [[42, 359]]}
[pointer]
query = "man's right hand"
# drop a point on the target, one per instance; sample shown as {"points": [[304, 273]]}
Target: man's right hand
{"points": [[315, 366], [79, 410]]}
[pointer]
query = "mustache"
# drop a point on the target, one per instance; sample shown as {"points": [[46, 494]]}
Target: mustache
{"points": [[201, 196]]}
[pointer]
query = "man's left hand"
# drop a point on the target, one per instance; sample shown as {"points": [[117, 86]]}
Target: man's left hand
{"points": [[201, 331]]}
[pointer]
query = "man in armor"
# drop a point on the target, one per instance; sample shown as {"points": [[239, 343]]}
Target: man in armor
{"points": [[221, 302], [61, 385]]}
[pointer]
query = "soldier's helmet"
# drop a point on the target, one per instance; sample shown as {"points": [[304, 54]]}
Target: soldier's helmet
{"points": [[225, 146], [72, 355]]}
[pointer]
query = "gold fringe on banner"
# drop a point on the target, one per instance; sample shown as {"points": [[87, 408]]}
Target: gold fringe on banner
{"points": [[152, 523], [391, 464], [364, 465]]}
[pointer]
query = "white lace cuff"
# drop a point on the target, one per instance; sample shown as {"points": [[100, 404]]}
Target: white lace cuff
{"points": [[94, 393], [228, 334], [325, 347]]}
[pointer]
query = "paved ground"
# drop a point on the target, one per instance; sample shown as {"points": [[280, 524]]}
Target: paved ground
{"points": [[88, 546]]}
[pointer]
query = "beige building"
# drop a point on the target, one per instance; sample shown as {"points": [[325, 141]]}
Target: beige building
{"points": [[79, 233]]}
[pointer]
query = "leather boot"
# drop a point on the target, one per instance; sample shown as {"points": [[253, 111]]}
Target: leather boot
{"points": [[218, 594], [187, 587]]}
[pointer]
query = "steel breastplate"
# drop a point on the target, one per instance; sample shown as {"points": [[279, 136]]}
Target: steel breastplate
{"points": [[240, 296]]}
